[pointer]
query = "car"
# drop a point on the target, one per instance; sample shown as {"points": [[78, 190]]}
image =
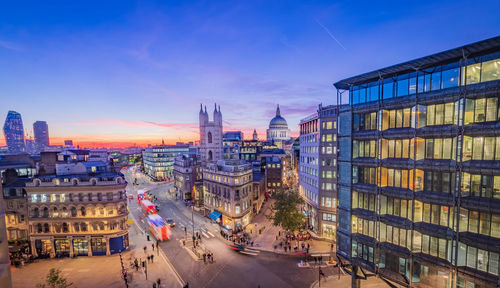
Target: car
{"points": [[170, 222], [130, 196]]}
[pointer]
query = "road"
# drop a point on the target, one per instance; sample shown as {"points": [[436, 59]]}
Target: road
{"points": [[230, 269]]}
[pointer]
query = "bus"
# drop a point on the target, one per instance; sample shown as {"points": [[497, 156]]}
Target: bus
{"points": [[148, 208], [157, 226]]}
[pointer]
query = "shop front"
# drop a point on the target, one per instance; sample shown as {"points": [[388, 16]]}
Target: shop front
{"points": [[80, 247], [98, 245], [43, 248], [62, 247], [328, 231], [227, 222]]}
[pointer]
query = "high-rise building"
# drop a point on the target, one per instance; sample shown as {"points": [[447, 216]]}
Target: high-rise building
{"points": [[41, 130], [211, 148], [318, 170], [419, 170], [14, 132]]}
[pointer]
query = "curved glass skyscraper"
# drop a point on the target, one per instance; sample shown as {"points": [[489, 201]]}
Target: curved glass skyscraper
{"points": [[14, 132]]}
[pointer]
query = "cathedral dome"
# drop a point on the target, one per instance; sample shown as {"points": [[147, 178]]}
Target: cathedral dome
{"points": [[278, 121]]}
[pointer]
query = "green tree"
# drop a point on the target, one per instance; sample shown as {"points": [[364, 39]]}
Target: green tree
{"points": [[54, 280], [286, 212]]}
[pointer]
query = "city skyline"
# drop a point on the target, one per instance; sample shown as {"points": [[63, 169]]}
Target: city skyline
{"points": [[122, 74]]}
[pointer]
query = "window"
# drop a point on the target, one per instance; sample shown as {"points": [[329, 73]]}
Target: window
{"points": [[490, 70], [34, 198], [481, 110]]}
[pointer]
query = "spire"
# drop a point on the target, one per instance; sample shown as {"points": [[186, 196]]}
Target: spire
{"points": [[215, 107], [278, 113], [219, 108], [201, 108], [205, 108]]}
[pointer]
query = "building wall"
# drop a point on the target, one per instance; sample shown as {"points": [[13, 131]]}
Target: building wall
{"points": [[211, 148], [425, 200], [5, 276], [81, 216], [230, 193]]}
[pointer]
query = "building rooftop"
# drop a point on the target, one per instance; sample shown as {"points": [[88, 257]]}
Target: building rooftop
{"points": [[469, 50]]}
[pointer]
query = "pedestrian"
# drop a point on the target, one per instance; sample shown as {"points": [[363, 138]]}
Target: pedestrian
{"points": [[154, 285], [149, 257], [145, 248], [308, 246], [136, 264], [331, 246], [143, 264], [276, 237], [158, 282], [152, 255], [212, 257], [204, 258], [290, 247], [303, 246], [285, 248], [279, 233], [153, 247]]}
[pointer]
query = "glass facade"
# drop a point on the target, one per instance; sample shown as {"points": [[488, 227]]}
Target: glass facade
{"points": [[423, 173], [14, 132], [477, 70]]}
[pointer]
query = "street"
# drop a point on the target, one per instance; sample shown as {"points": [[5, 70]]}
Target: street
{"points": [[230, 269]]}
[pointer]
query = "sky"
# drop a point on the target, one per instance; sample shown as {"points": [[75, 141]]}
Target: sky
{"points": [[122, 73]]}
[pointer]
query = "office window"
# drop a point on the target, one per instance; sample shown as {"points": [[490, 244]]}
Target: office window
{"points": [[388, 89], [471, 257], [450, 78], [490, 70]]}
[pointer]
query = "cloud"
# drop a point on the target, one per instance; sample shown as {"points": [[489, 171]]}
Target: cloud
{"points": [[10, 46]]}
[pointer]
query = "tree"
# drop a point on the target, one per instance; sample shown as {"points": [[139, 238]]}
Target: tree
{"points": [[286, 212], [54, 280]]}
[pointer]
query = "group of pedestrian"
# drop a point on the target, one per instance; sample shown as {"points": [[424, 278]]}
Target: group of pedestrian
{"points": [[290, 239], [208, 257]]}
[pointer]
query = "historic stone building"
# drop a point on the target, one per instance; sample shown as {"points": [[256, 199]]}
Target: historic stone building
{"points": [[79, 214], [228, 193], [211, 148], [278, 131]]}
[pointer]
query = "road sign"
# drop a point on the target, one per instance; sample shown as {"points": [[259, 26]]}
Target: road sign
{"points": [[129, 222]]}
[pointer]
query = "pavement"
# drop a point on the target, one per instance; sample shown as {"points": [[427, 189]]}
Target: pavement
{"points": [[334, 281], [266, 240]]}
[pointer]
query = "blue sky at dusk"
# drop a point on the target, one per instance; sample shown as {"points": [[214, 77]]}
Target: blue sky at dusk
{"points": [[124, 72]]}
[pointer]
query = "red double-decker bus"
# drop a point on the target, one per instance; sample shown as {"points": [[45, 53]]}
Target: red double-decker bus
{"points": [[148, 208], [158, 227]]}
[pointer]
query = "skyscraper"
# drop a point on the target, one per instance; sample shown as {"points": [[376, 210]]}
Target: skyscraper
{"points": [[14, 132], [41, 130]]}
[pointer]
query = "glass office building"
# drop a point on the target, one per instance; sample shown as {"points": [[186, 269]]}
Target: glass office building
{"points": [[14, 132], [419, 169]]}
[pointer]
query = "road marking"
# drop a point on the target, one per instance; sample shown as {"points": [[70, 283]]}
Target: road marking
{"points": [[206, 235], [210, 233]]}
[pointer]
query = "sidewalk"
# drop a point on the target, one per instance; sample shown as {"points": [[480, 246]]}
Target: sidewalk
{"points": [[266, 240], [343, 281]]}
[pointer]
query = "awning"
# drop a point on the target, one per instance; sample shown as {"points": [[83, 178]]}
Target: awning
{"points": [[215, 215]]}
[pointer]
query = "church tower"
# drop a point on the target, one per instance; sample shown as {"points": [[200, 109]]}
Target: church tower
{"points": [[254, 136], [211, 148]]}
